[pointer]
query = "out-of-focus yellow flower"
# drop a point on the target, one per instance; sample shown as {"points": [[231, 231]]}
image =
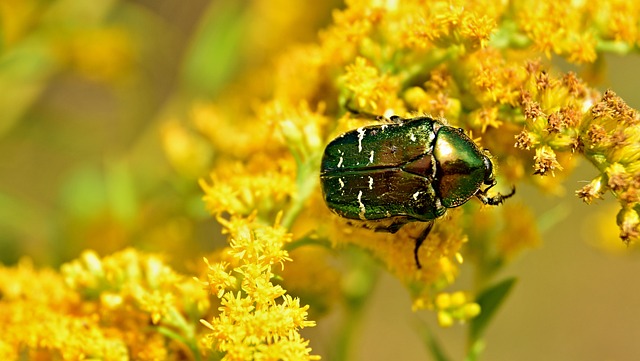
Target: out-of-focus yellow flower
{"points": [[452, 307], [311, 277], [607, 237], [16, 19], [258, 319], [187, 152], [102, 54], [518, 234], [97, 308]]}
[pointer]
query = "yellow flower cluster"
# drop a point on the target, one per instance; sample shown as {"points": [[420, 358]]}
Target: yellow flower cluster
{"points": [[258, 320], [40, 318], [370, 89], [578, 30], [562, 116], [125, 306]]}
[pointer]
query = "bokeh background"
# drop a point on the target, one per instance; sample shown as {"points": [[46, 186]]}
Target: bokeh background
{"points": [[94, 155]]}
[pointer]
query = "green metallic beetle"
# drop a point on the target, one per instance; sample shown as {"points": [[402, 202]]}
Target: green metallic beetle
{"points": [[402, 171]]}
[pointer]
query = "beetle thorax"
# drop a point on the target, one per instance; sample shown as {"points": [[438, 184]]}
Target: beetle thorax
{"points": [[461, 167]]}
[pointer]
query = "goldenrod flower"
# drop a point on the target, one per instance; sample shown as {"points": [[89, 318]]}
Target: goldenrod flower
{"points": [[99, 308], [257, 319], [372, 92]]}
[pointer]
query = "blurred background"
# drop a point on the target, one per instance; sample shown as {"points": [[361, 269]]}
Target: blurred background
{"points": [[93, 97], [93, 93]]}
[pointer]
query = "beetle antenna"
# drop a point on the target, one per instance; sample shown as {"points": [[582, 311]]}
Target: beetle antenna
{"points": [[362, 114], [495, 200], [419, 242], [379, 118]]}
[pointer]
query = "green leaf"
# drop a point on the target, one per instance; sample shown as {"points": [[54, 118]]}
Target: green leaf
{"points": [[215, 49], [489, 300], [473, 353], [431, 342]]}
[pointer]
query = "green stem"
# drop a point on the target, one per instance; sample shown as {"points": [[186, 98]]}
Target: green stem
{"points": [[186, 334], [307, 180], [307, 240], [346, 335], [614, 47], [358, 286], [598, 160], [189, 342]]}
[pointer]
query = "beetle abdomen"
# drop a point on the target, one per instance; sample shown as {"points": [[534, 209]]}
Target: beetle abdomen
{"points": [[381, 193]]}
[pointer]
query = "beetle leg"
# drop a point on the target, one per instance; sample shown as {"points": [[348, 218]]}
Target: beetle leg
{"points": [[392, 228], [495, 200], [419, 242]]}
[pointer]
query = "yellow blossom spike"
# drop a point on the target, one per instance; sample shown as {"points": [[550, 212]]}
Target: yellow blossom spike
{"points": [[257, 317]]}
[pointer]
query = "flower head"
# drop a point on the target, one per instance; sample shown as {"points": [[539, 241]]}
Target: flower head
{"points": [[258, 319]]}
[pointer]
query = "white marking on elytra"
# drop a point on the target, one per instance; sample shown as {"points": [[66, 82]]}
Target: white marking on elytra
{"points": [[361, 205], [433, 161], [370, 182], [371, 157], [361, 132], [341, 183], [383, 127], [412, 137], [415, 195], [340, 162]]}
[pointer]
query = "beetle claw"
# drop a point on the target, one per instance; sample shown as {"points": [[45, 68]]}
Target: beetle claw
{"points": [[495, 200]]}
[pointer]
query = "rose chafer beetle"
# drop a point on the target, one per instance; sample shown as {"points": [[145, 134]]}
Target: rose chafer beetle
{"points": [[404, 170]]}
